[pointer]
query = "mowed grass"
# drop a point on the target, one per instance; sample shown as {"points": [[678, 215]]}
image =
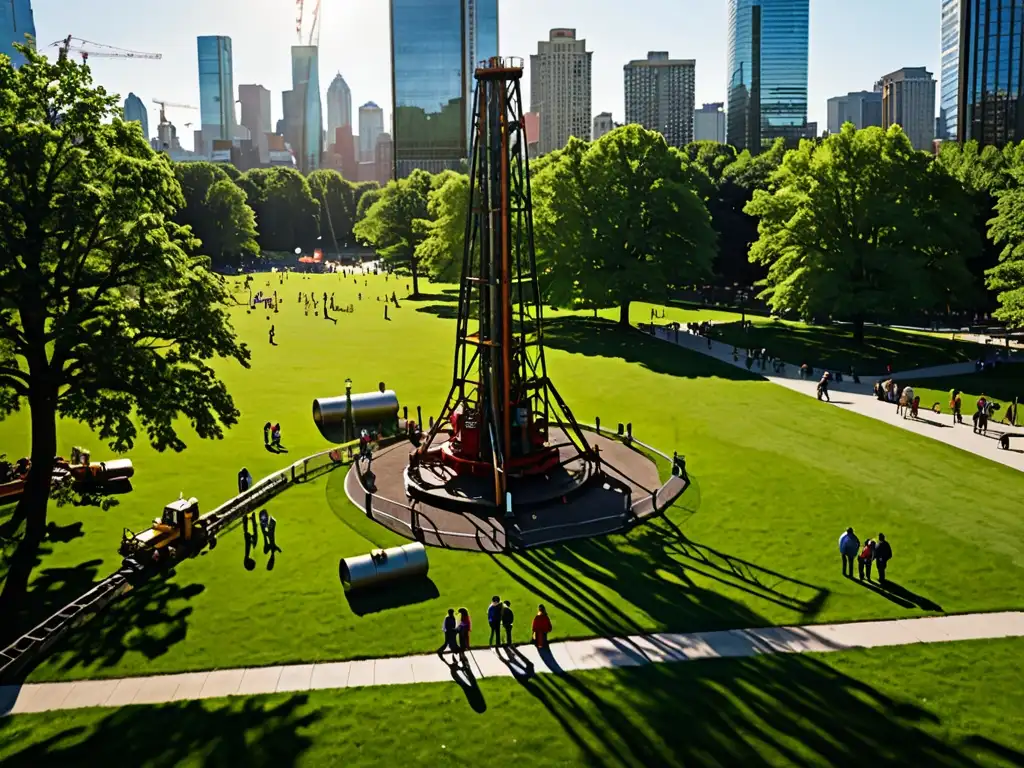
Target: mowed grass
{"points": [[950, 705], [778, 478], [1003, 385]]}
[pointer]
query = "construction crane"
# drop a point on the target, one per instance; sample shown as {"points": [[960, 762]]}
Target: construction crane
{"points": [[314, 30], [164, 104], [87, 49]]}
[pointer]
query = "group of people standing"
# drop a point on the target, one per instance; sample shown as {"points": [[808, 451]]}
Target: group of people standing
{"points": [[500, 620], [874, 552]]}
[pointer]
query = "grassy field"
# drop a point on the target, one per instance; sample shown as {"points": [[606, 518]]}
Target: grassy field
{"points": [[778, 478], [951, 705], [1002, 385]]}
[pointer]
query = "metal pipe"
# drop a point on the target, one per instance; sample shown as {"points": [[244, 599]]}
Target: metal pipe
{"points": [[383, 565]]}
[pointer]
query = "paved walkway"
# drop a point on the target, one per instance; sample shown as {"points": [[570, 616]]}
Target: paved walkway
{"points": [[859, 399], [571, 656]]}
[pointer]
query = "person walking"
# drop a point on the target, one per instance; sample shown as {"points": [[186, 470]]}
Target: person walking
{"points": [[266, 433], [849, 546], [507, 620], [541, 627], [864, 560], [883, 554], [494, 621], [463, 629], [450, 629], [823, 387], [955, 405]]}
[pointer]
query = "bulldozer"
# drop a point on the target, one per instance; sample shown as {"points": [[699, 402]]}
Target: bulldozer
{"points": [[178, 532]]}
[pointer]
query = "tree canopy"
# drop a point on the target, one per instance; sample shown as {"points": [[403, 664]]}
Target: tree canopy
{"points": [[442, 250], [861, 226], [106, 315], [287, 214], [1007, 230], [218, 213]]}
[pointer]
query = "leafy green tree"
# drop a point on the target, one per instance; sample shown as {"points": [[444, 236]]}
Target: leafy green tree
{"points": [[398, 222], [862, 227], [336, 196], [448, 205], [105, 317], [366, 202], [287, 214], [231, 233], [1007, 231], [713, 157], [621, 221]]}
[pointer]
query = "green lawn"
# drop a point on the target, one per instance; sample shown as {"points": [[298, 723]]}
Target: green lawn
{"points": [[955, 705], [1002, 385], [778, 478]]}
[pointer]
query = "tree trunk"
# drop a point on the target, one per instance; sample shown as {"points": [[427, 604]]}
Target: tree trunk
{"points": [[415, 281], [32, 505], [858, 330], [624, 313]]}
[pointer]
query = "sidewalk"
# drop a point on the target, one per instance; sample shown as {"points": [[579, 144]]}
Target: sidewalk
{"points": [[571, 656], [860, 399]]}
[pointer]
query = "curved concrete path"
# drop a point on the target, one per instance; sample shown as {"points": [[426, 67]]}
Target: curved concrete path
{"points": [[859, 399], [521, 661]]}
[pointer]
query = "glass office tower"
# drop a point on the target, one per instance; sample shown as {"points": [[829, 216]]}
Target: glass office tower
{"points": [[216, 89], [990, 101], [481, 44], [135, 112], [428, 63], [306, 83], [949, 74], [767, 72], [16, 21]]}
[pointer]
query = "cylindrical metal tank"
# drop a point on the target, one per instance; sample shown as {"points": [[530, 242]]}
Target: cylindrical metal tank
{"points": [[368, 409], [117, 468], [383, 565]]}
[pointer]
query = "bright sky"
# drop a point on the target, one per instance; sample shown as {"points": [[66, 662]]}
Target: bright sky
{"points": [[852, 43]]}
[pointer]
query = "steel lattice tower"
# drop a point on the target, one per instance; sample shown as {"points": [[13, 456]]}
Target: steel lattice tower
{"points": [[502, 406]]}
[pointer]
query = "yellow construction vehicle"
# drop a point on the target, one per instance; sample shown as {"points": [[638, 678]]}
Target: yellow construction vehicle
{"points": [[177, 531]]}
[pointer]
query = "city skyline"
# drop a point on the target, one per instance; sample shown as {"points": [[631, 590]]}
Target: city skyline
{"points": [[849, 51]]}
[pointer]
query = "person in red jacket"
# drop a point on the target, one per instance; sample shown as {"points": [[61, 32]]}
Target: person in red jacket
{"points": [[541, 627]]}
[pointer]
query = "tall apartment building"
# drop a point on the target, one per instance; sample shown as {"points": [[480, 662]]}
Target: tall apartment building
{"points": [[254, 101], [908, 100], [216, 91], [16, 21], [709, 123], [767, 72], [135, 112], [339, 106], [862, 108], [603, 123], [560, 83], [659, 96], [990, 88], [949, 74], [371, 126]]}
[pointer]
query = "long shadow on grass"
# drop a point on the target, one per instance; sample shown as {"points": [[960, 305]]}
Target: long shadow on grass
{"points": [[149, 620], [603, 338], [768, 710], [654, 571], [249, 731]]}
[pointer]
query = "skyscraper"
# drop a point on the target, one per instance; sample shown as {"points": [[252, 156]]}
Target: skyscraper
{"points": [[481, 44], [309, 134], [659, 96], [371, 126], [862, 108], [949, 76], [135, 112], [990, 97], [255, 108], [603, 124], [339, 106], [428, 70], [560, 88], [709, 123], [908, 100], [216, 90], [16, 21], [767, 72]]}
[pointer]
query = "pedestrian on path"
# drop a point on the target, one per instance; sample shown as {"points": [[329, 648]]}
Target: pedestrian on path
{"points": [[464, 627], [450, 629], [823, 387], [955, 405], [883, 554], [541, 627], [849, 546], [864, 560], [494, 621], [507, 620], [981, 416]]}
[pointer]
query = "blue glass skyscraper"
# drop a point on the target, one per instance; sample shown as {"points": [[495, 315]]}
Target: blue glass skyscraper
{"points": [[135, 111], [949, 74], [990, 97], [216, 89], [16, 21], [308, 135], [767, 72], [481, 44]]}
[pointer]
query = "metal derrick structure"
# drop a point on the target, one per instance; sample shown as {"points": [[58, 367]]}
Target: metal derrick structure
{"points": [[502, 403], [314, 30]]}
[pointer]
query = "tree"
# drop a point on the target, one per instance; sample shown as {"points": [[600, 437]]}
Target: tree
{"points": [[862, 227], [623, 221], [231, 233], [398, 222], [336, 196], [366, 202], [287, 214], [1007, 230], [105, 317], [448, 205]]}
